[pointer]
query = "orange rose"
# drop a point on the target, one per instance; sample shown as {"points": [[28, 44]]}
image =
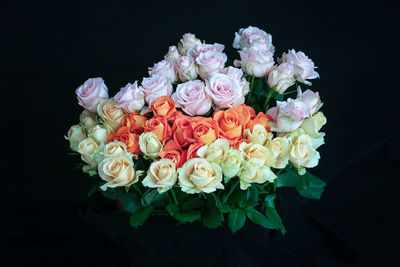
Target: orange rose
{"points": [[230, 123], [192, 150], [204, 129], [247, 112], [134, 122], [262, 119], [164, 106], [131, 140], [172, 151], [183, 132], [160, 126]]}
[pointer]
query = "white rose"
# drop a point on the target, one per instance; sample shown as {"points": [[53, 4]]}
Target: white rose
{"points": [[150, 145], [88, 119], [231, 163], [161, 175], [75, 135], [252, 172], [198, 175], [118, 171], [215, 151], [111, 113]]}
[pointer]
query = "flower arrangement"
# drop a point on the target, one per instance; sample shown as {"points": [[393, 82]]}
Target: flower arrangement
{"points": [[204, 140]]}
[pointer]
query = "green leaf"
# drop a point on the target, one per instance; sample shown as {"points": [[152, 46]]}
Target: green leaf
{"points": [[110, 194], [188, 216], [258, 218], [140, 216], [236, 219], [130, 201], [273, 215], [193, 203], [227, 194], [270, 200], [172, 209], [211, 217], [153, 197], [251, 198]]}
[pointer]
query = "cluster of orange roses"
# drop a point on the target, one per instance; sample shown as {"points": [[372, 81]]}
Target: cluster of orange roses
{"points": [[183, 135]]}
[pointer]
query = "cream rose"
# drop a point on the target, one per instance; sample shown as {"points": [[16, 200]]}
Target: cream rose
{"points": [[303, 154], [149, 144], [231, 163], [109, 111], [88, 119], [161, 175], [99, 134], [215, 151], [255, 152], [278, 156], [75, 135], [312, 125], [198, 175], [114, 149], [260, 135], [118, 171], [252, 172], [88, 148]]}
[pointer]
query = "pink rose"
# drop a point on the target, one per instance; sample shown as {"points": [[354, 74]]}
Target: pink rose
{"points": [[186, 68], [192, 98], [282, 77], [130, 98], [91, 93], [154, 87], [188, 41], [256, 61], [209, 63], [226, 91], [165, 69], [172, 54], [311, 100], [304, 68], [253, 37], [237, 74], [288, 115], [195, 51]]}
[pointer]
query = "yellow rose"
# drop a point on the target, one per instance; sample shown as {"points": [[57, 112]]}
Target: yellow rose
{"points": [[88, 148], [149, 144], [109, 111], [118, 171], [302, 154], [231, 163], [215, 151], [252, 172], [75, 135], [161, 175], [99, 134], [198, 175], [278, 155], [254, 151], [88, 119], [259, 135], [312, 125]]}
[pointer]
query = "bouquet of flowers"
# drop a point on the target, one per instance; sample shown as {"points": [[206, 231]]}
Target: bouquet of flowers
{"points": [[204, 140]]}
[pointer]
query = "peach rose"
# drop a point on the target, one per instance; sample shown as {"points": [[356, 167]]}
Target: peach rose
{"points": [[173, 152], [160, 126], [182, 131], [161, 175], [164, 106], [191, 152], [262, 119], [204, 129], [134, 122], [247, 112], [109, 111], [123, 135], [230, 123]]}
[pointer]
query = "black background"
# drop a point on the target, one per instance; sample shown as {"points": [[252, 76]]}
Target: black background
{"points": [[49, 48]]}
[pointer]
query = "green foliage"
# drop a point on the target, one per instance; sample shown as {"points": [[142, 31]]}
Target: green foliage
{"points": [[172, 209], [188, 216], [130, 201], [140, 216], [211, 216], [236, 219], [307, 185]]}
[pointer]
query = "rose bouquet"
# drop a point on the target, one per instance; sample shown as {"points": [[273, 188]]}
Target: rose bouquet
{"points": [[204, 140]]}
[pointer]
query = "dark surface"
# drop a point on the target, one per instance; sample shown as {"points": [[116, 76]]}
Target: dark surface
{"points": [[49, 49]]}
